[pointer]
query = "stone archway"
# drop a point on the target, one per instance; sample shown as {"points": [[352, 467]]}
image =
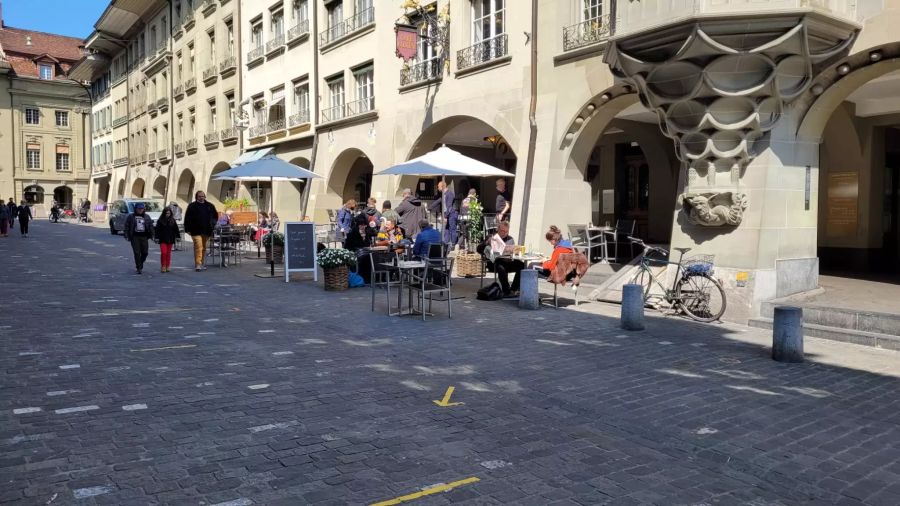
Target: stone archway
{"points": [[63, 196], [351, 176], [33, 194], [184, 192], [120, 189], [218, 191], [137, 188], [159, 187]]}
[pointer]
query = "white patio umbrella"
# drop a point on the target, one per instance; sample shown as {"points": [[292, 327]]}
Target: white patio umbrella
{"points": [[445, 162], [268, 168]]}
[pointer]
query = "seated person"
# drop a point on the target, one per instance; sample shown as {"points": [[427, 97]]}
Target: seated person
{"points": [[361, 236], [502, 243], [224, 219], [426, 237], [262, 223], [389, 235], [560, 246]]}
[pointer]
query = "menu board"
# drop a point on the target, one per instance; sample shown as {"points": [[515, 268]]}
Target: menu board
{"points": [[300, 248], [843, 200]]}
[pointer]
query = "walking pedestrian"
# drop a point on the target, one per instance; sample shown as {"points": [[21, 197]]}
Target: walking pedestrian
{"points": [[166, 233], [139, 231], [4, 220], [23, 212], [11, 207], [199, 222], [446, 208]]}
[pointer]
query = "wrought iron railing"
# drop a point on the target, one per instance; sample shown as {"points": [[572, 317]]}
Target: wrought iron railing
{"points": [[118, 162], [163, 154], [211, 138], [151, 156], [190, 85], [179, 148], [257, 131], [229, 133], [346, 27], [300, 29], [208, 6], [298, 118], [361, 106], [275, 43], [275, 125], [482, 52], [190, 144], [187, 20], [428, 70], [333, 113], [256, 53], [587, 33], [120, 121], [210, 72], [151, 107], [228, 64], [179, 90], [162, 103]]}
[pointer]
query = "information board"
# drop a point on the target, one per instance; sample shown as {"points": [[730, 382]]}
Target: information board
{"points": [[300, 249]]}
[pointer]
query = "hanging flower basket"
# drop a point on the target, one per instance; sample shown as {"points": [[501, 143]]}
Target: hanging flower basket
{"points": [[336, 263]]}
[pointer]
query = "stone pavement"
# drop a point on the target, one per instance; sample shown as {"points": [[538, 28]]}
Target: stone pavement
{"points": [[223, 388]]}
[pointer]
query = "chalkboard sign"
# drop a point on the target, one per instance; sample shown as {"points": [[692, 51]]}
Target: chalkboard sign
{"points": [[300, 249]]}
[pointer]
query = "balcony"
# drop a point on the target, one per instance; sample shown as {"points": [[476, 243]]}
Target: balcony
{"points": [[190, 85], [120, 121], [210, 74], [255, 55], [229, 134], [211, 139], [163, 155], [587, 33], [190, 145], [348, 27], [179, 92], [178, 32], [301, 118], [151, 108], [208, 7], [275, 125], [118, 162], [361, 106], [228, 66], [162, 104], [275, 45], [483, 52], [333, 113], [296, 32], [151, 156], [257, 131], [179, 149], [424, 72], [187, 21]]}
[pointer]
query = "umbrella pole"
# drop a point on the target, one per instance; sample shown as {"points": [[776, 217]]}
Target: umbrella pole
{"points": [[257, 214], [271, 210]]}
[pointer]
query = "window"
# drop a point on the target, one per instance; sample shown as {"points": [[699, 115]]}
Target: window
{"points": [[191, 60], [33, 156], [301, 99], [46, 71], [153, 38], [192, 123], [229, 99], [62, 157], [365, 89], [259, 110], [229, 37], [335, 17], [62, 119], [276, 109], [591, 9], [488, 19], [32, 116], [277, 24], [212, 44], [300, 11], [180, 132], [213, 119], [163, 33], [336, 98], [179, 70], [363, 10], [256, 38], [177, 10]]}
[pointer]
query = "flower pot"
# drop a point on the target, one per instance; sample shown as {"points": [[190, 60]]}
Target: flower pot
{"points": [[336, 278], [275, 251], [468, 265]]}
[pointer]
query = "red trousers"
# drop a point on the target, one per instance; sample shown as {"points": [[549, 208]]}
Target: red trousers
{"points": [[165, 251]]}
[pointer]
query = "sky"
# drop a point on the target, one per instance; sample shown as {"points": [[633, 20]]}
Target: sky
{"points": [[74, 18]]}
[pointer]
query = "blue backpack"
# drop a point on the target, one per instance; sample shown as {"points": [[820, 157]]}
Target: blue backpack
{"points": [[355, 280]]}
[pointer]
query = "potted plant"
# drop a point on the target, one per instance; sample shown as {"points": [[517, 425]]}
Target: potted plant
{"points": [[336, 263], [468, 264], [236, 204], [274, 244]]}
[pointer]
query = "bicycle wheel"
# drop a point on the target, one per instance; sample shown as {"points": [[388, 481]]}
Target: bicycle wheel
{"points": [[643, 278], [701, 297]]}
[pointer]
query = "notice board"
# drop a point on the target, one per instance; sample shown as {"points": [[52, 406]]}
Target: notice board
{"points": [[300, 248], [843, 203]]}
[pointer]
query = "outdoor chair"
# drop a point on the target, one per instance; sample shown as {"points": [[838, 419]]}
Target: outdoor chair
{"points": [[570, 267], [384, 276], [585, 242], [433, 280], [620, 234], [490, 224]]}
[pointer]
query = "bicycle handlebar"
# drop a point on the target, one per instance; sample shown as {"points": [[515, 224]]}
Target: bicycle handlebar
{"points": [[647, 247]]}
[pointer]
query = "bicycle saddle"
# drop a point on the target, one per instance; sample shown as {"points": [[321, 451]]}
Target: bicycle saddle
{"points": [[682, 250]]}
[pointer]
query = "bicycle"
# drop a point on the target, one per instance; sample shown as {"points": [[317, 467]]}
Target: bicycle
{"points": [[694, 289]]}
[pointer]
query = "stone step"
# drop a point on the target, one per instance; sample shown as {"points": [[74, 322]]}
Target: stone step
{"points": [[844, 335], [842, 318]]}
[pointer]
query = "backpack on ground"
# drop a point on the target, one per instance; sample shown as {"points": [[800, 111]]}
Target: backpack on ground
{"points": [[491, 292]]}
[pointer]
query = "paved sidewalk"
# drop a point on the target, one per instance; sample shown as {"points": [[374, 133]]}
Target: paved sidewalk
{"points": [[223, 388]]}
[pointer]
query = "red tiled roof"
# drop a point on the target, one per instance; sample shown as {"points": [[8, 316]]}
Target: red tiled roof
{"points": [[22, 56]]}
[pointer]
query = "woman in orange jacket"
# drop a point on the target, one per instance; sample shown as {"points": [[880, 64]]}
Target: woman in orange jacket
{"points": [[560, 247]]}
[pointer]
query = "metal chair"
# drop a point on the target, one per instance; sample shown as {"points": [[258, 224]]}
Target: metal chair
{"points": [[435, 279], [385, 276], [585, 242], [490, 224], [623, 230]]}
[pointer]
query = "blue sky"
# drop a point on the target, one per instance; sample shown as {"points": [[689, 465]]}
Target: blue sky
{"points": [[75, 18]]}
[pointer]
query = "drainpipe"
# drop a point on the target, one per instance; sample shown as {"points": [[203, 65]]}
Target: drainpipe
{"points": [[172, 156], [307, 188], [532, 122]]}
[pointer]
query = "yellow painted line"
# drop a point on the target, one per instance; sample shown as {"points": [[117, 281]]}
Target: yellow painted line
{"points": [[167, 348], [445, 402], [428, 491]]}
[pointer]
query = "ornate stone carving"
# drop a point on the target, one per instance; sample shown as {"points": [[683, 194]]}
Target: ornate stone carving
{"points": [[714, 209]]}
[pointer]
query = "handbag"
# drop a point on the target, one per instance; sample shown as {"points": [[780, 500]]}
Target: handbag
{"points": [[491, 292]]}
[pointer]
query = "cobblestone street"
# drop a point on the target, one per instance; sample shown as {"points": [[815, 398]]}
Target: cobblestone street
{"points": [[220, 387]]}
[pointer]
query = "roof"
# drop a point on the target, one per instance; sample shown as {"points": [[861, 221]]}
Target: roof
{"points": [[22, 56]]}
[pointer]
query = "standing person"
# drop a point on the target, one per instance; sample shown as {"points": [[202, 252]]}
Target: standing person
{"points": [[23, 212], [372, 214], [4, 220], [345, 218], [199, 222], [446, 207], [13, 209], [411, 212], [502, 204], [139, 231], [388, 214], [166, 232]]}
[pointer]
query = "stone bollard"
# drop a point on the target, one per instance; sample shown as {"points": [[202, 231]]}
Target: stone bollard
{"points": [[529, 294], [633, 307], [787, 334]]}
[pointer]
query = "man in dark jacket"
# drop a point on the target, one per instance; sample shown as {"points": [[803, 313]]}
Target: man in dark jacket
{"points": [[12, 209], [139, 231], [445, 207], [411, 212], [427, 236], [373, 217], [23, 212], [199, 221]]}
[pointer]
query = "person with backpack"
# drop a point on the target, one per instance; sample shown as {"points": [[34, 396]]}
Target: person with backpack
{"points": [[139, 231], [23, 212], [166, 232]]}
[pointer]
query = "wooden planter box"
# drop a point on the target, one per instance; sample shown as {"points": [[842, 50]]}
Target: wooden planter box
{"points": [[468, 265], [275, 251], [336, 279]]}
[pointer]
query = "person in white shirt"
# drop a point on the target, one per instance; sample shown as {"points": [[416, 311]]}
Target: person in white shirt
{"points": [[503, 244]]}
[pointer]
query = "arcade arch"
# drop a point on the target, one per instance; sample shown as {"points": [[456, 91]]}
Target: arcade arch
{"points": [[137, 188], [184, 192]]}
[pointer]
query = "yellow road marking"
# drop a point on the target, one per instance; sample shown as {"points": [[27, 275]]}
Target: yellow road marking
{"points": [[167, 348], [445, 402], [428, 491]]}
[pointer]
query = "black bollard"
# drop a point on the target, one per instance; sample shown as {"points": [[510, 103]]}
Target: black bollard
{"points": [[787, 334]]}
